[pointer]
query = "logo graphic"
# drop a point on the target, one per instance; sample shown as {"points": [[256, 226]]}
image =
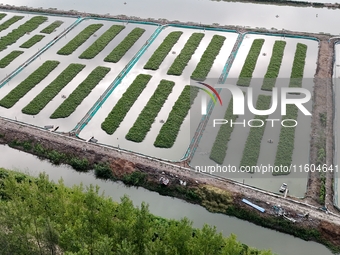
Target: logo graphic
{"points": [[204, 99]]}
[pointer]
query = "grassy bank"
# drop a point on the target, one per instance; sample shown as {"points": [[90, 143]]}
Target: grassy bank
{"points": [[33, 40], [5, 61]]}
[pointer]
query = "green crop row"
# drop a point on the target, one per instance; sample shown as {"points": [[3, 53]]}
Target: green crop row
{"points": [[184, 57], [147, 117], [208, 58], [251, 150], [2, 15], [163, 50], [49, 29], [29, 83], [101, 42], [285, 147], [29, 43], [250, 63], [170, 129], [298, 66], [274, 66], [219, 149], [45, 96], [77, 41], [5, 61], [125, 45], [80, 93], [9, 22], [17, 33], [123, 106]]}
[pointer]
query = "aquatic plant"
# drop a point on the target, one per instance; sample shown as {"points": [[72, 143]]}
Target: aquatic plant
{"points": [[5, 61], [49, 29], [33, 40]]}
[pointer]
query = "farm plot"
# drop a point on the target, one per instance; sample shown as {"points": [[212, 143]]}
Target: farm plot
{"points": [[27, 43], [167, 131], [68, 92], [276, 147]]}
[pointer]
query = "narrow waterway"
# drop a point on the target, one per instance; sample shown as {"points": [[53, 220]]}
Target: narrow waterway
{"points": [[166, 207]]}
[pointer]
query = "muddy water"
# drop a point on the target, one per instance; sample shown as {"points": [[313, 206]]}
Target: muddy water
{"points": [[166, 207]]}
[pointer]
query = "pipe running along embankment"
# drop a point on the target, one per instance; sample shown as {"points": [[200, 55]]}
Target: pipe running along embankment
{"points": [[36, 55]]}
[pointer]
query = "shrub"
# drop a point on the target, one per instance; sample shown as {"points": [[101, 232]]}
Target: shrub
{"points": [[208, 58], [29, 83], [9, 22], [103, 171], [77, 41], [125, 45], [34, 39], [170, 129], [184, 57], [119, 111], [163, 50], [5, 61], [145, 119], [250, 63], [49, 29], [251, 150], [79, 164], [101, 42], [274, 65], [48, 93], [80, 93], [17, 33], [136, 178], [298, 66], [218, 151]]}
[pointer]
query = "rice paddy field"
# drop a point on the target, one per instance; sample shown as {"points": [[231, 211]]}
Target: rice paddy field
{"points": [[276, 58]]}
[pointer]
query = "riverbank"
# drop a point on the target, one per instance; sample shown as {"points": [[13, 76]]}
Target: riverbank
{"points": [[216, 195]]}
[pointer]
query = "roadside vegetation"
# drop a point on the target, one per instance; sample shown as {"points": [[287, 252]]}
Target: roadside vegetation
{"points": [[163, 50], [9, 22], [50, 92], [207, 60], [5, 61], [101, 42], [23, 29], [33, 40], [125, 45], [148, 115], [80, 93], [219, 149], [298, 66], [123, 106], [95, 224], [170, 129], [252, 148], [250, 63], [29, 83], [274, 66], [77, 41], [184, 57], [49, 29]]}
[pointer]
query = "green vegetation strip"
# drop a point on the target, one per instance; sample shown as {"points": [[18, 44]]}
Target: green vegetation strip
{"points": [[125, 45], [298, 66], [29, 83], [80, 93], [219, 149], [251, 150], [77, 41], [2, 15], [208, 58], [184, 57], [119, 111], [49, 29], [163, 50], [274, 66], [147, 117], [35, 39], [285, 147], [250, 63], [170, 129], [101, 42], [45, 96], [9, 58], [9, 22]]}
